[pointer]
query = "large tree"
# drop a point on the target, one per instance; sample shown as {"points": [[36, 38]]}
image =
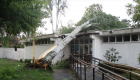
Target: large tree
{"points": [[90, 13], [134, 12], [101, 20], [60, 7], [67, 29], [20, 16]]}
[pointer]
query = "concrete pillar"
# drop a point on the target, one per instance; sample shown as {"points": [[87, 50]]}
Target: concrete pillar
{"points": [[93, 45]]}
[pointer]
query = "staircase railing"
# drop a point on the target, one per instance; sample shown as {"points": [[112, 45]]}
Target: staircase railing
{"points": [[78, 63]]}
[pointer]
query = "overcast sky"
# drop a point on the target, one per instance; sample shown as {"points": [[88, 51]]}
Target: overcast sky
{"points": [[76, 10]]}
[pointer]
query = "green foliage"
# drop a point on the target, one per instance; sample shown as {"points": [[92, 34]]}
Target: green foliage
{"points": [[20, 60], [90, 13], [101, 20], [28, 60], [5, 41], [67, 29], [125, 74], [7, 74], [134, 12], [20, 16], [134, 77], [111, 55], [23, 37], [139, 58], [62, 65], [111, 69]]}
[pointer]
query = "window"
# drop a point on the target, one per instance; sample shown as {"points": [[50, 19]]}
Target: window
{"points": [[72, 49], [135, 37], [86, 49], [76, 41], [81, 41], [126, 37], [26, 43], [105, 39], [76, 49], [119, 38], [86, 41], [72, 42], [112, 38], [90, 40], [51, 42], [41, 41], [90, 49], [46, 41], [38, 41], [31, 44]]}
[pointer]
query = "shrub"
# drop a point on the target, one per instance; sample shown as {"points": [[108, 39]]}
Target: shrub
{"points": [[111, 55], [7, 74], [139, 58], [111, 69], [20, 60], [134, 77], [63, 64], [28, 60]]}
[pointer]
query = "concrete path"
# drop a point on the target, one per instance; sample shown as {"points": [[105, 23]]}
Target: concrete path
{"points": [[89, 74], [63, 74]]}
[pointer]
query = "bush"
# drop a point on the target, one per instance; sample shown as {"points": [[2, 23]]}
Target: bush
{"points": [[111, 69], [62, 65], [139, 58], [134, 77], [20, 60], [7, 74], [111, 55], [28, 60]]}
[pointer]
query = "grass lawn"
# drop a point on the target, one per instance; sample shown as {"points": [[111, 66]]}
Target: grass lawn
{"points": [[25, 73]]}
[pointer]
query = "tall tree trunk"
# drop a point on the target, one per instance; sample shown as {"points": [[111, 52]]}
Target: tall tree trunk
{"points": [[57, 15], [33, 48]]}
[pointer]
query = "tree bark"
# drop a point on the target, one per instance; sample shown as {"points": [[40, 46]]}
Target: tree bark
{"points": [[33, 49]]}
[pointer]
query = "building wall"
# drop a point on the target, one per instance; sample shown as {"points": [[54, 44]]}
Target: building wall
{"points": [[128, 50], [39, 49], [96, 46], [11, 53]]}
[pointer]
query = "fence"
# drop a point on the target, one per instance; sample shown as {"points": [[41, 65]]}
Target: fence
{"points": [[79, 62]]}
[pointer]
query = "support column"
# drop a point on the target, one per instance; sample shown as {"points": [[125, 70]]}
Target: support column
{"points": [[93, 46]]}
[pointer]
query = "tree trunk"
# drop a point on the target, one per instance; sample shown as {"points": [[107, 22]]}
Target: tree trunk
{"points": [[57, 13], [33, 49]]}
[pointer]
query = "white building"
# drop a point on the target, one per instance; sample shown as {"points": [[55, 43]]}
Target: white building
{"points": [[125, 41]]}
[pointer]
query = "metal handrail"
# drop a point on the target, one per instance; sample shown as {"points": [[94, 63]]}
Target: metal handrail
{"points": [[94, 67], [113, 65]]}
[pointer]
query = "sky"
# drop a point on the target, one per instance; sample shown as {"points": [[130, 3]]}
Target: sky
{"points": [[76, 10]]}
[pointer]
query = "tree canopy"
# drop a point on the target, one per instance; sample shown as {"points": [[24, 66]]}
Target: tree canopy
{"points": [[67, 29], [101, 20], [20, 16], [134, 12], [60, 6]]}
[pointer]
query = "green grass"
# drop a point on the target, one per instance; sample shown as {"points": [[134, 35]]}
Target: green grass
{"points": [[25, 73]]}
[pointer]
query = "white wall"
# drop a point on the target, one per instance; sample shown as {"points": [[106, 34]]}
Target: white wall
{"points": [[39, 49], [96, 46], [128, 50], [11, 53]]}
